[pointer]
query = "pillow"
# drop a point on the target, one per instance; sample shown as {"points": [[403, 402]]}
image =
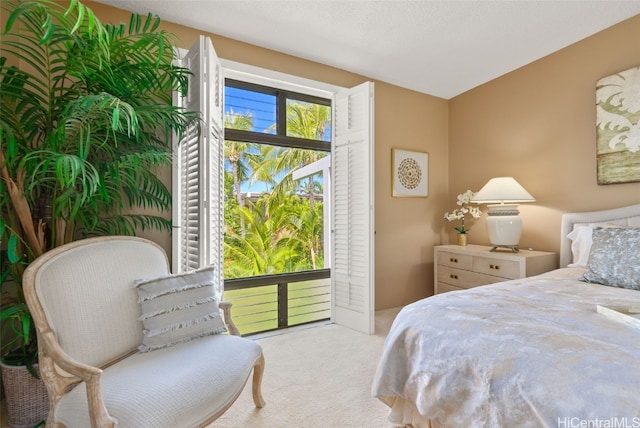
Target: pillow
{"points": [[580, 245], [178, 308], [614, 259], [581, 242]]}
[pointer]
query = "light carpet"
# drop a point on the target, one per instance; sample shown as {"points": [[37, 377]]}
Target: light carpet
{"points": [[316, 377]]}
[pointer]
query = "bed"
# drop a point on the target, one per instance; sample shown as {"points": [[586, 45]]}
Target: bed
{"points": [[531, 352]]}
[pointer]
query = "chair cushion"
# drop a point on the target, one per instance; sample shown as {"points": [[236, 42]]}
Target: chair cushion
{"points": [[178, 386], [178, 308]]}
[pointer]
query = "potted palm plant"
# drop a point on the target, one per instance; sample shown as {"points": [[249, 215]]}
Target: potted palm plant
{"points": [[86, 120]]}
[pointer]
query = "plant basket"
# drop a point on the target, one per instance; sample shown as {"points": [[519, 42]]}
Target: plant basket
{"points": [[27, 399]]}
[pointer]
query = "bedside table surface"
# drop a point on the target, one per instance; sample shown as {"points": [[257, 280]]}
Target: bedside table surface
{"points": [[485, 250]]}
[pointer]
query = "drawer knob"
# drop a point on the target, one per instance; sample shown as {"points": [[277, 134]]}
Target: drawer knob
{"points": [[496, 267], [452, 276], [453, 260]]}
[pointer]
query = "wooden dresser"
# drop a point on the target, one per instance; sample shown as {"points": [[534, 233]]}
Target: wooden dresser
{"points": [[458, 267]]}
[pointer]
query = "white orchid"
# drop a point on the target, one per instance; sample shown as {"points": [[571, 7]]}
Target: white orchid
{"points": [[464, 199]]}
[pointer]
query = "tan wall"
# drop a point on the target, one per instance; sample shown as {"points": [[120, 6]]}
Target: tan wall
{"points": [[537, 124], [406, 228]]}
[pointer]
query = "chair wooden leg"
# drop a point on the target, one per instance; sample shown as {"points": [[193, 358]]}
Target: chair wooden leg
{"points": [[258, 370]]}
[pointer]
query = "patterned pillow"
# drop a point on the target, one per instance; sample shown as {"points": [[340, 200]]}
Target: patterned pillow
{"points": [[178, 308], [581, 242], [615, 258]]}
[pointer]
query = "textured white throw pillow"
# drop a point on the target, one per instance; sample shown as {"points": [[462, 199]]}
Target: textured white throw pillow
{"points": [[178, 308]]}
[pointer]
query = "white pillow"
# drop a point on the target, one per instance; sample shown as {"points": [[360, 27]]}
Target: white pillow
{"points": [[178, 308], [581, 245]]}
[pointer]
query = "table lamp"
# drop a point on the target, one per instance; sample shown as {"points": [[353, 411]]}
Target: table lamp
{"points": [[504, 225]]}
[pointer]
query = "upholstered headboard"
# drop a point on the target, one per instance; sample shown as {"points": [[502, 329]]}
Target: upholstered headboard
{"points": [[625, 216]]}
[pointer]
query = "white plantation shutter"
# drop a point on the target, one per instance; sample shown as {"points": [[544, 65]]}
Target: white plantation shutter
{"points": [[215, 173], [198, 168], [352, 267], [189, 227]]}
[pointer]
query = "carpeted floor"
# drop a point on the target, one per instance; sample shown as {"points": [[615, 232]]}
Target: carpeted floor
{"points": [[316, 376]]}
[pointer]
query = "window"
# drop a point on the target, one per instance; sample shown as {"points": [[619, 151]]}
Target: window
{"points": [[274, 221], [199, 195]]}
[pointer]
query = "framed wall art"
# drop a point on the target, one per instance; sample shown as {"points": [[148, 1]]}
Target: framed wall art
{"points": [[618, 127], [410, 173]]}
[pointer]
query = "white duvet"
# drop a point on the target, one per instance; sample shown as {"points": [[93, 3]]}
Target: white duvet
{"points": [[524, 353]]}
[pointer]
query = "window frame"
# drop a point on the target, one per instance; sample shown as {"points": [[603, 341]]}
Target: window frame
{"points": [[279, 138]]}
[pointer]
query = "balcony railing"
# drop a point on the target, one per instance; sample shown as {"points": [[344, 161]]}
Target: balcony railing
{"points": [[271, 302]]}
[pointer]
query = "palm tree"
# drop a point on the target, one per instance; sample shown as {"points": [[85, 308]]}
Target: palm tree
{"points": [[283, 229], [262, 169], [234, 153], [304, 120], [265, 249], [86, 120], [307, 225], [307, 120], [283, 235]]}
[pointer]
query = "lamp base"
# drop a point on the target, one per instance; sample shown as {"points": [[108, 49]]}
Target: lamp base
{"points": [[513, 248], [504, 226]]}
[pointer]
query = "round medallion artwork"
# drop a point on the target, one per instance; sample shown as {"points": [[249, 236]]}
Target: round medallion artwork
{"points": [[409, 173]]}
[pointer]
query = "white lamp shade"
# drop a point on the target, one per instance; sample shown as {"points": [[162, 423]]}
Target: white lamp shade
{"points": [[500, 190]]}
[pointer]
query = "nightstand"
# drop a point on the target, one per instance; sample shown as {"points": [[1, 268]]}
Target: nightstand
{"points": [[458, 267]]}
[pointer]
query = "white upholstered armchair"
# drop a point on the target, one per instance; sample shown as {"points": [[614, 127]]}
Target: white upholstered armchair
{"points": [[108, 360]]}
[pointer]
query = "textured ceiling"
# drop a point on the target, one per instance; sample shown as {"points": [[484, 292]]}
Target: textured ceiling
{"points": [[438, 47]]}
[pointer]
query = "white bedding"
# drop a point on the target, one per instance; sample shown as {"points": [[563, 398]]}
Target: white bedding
{"points": [[525, 353]]}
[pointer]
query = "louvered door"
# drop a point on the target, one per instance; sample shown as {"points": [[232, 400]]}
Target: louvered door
{"points": [[198, 168], [352, 267]]}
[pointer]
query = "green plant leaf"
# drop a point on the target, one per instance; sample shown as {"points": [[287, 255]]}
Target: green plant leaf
{"points": [[12, 249], [8, 312], [26, 323], [115, 119], [50, 29], [81, 10]]}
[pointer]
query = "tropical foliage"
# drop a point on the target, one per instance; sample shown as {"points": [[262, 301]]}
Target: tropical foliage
{"points": [[85, 125]]}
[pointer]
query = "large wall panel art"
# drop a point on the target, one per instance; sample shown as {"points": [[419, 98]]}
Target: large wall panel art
{"points": [[618, 127]]}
